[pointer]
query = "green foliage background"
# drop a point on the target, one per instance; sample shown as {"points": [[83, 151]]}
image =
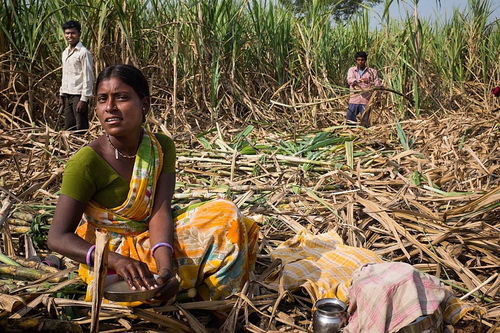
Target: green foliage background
{"points": [[230, 59]]}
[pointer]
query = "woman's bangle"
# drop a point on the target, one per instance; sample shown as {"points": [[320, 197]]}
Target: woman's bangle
{"points": [[89, 255], [160, 245]]}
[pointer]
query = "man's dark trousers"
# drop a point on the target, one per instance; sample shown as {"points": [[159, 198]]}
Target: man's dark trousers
{"points": [[353, 111], [74, 120]]}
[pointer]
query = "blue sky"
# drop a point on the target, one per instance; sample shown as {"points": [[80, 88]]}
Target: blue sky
{"points": [[429, 9]]}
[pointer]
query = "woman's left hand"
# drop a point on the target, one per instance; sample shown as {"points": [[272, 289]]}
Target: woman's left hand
{"points": [[168, 283], [164, 274]]}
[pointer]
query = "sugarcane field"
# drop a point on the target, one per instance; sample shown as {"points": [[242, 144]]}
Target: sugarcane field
{"points": [[250, 166]]}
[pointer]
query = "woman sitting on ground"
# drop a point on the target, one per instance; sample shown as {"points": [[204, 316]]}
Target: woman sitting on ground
{"points": [[123, 183]]}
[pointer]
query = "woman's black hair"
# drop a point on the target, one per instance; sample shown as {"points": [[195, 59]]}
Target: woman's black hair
{"points": [[129, 75]]}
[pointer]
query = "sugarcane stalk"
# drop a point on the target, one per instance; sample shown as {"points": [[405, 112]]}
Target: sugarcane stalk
{"points": [[15, 229], [17, 272], [8, 261], [19, 222], [465, 290], [20, 272], [23, 216], [7, 286], [36, 265]]}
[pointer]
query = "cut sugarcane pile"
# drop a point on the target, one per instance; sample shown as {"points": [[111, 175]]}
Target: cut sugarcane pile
{"points": [[426, 192]]}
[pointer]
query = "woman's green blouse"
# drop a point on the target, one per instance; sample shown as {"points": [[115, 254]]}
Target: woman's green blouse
{"points": [[87, 176]]}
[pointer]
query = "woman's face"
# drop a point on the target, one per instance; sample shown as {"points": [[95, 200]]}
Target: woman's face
{"points": [[119, 108]]}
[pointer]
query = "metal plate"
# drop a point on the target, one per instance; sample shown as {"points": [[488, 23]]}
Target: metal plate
{"points": [[121, 292]]}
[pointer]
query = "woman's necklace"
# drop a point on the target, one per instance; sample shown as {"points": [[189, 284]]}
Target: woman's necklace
{"points": [[117, 152]]}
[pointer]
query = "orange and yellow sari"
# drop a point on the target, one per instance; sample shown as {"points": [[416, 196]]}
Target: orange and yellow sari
{"points": [[214, 245]]}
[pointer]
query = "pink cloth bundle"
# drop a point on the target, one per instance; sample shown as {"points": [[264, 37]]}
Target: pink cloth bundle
{"points": [[386, 297]]}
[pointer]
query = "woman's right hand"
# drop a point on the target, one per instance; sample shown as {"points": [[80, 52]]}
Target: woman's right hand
{"points": [[135, 272]]}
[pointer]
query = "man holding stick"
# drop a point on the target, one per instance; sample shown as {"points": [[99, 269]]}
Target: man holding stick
{"points": [[360, 77], [77, 79]]}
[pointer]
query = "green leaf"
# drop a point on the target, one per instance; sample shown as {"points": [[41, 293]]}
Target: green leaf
{"points": [[402, 136], [416, 178], [296, 189], [204, 142], [248, 150], [349, 154]]}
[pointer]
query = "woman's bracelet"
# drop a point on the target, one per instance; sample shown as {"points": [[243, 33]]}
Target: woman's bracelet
{"points": [[89, 255], [160, 245]]}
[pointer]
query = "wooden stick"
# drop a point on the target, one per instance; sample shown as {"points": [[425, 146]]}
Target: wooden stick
{"points": [[4, 210], [365, 117], [4, 226], [479, 287], [37, 301], [100, 270]]}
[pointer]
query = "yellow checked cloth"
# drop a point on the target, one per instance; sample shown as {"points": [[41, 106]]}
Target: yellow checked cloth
{"points": [[321, 264], [325, 267]]}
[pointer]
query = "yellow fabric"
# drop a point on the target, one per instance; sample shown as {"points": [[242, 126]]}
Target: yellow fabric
{"points": [[214, 249], [321, 264], [324, 266]]}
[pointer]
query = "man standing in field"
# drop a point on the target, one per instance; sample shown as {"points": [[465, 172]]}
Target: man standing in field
{"points": [[360, 77], [77, 79]]}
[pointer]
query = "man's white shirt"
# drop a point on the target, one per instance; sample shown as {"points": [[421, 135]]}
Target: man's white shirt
{"points": [[77, 72]]}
